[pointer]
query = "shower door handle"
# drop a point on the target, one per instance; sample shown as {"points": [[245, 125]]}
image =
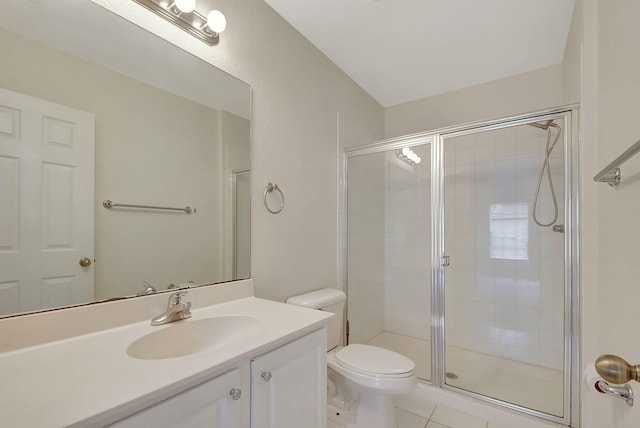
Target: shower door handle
{"points": [[446, 261]]}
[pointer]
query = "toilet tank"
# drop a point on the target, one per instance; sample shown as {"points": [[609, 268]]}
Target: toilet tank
{"points": [[326, 299]]}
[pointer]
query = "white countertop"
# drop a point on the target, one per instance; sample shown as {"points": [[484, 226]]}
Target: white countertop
{"points": [[90, 380]]}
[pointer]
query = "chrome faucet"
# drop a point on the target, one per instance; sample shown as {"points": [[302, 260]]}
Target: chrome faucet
{"points": [[176, 310]]}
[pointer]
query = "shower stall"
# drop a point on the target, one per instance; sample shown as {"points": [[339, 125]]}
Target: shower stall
{"points": [[461, 255]]}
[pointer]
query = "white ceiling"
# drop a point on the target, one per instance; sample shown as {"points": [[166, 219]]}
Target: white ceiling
{"points": [[403, 50]]}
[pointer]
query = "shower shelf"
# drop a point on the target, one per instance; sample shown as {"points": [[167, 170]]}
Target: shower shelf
{"points": [[611, 173]]}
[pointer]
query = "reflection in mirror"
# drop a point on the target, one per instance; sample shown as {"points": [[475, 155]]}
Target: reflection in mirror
{"points": [[116, 114]]}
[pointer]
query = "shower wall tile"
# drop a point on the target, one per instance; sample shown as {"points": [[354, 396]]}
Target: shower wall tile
{"points": [[505, 150]]}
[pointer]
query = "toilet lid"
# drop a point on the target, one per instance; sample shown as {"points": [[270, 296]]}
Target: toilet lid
{"points": [[374, 360]]}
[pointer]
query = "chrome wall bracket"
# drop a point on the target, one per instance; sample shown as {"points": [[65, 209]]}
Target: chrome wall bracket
{"points": [[612, 178], [193, 23], [621, 391], [611, 173]]}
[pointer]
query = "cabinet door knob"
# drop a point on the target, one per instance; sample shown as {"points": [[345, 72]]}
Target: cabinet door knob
{"points": [[235, 393], [266, 376], [85, 262]]}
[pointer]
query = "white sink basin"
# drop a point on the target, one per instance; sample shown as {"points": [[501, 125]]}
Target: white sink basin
{"points": [[188, 337]]}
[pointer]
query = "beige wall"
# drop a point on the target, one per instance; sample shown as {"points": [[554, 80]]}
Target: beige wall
{"points": [[152, 147], [527, 92], [572, 63], [611, 266]]}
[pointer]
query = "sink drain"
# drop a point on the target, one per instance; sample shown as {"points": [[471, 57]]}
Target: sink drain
{"points": [[450, 375]]}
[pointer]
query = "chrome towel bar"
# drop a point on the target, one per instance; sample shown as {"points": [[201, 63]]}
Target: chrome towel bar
{"points": [[110, 204], [611, 173]]}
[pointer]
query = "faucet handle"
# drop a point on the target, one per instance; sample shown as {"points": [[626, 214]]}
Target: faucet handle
{"points": [[176, 298], [146, 289]]}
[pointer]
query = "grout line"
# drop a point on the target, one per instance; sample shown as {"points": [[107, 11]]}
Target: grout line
{"points": [[432, 412]]}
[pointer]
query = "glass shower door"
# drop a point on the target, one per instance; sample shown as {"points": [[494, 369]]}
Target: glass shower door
{"points": [[504, 288], [389, 251]]}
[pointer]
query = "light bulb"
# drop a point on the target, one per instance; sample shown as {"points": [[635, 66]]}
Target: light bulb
{"points": [[185, 6], [216, 21], [406, 151], [418, 159]]}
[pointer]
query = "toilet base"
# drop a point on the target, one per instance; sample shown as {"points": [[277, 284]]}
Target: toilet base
{"points": [[371, 412]]}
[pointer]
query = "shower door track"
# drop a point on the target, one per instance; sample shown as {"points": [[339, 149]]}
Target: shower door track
{"points": [[571, 221]]}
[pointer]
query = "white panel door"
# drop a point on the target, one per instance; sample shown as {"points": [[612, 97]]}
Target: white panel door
{"points": [[289, 385], [46, 216]]}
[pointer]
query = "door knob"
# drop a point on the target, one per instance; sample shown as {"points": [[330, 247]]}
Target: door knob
{"points": [[266, 376], [85, 261], [616, 370]]}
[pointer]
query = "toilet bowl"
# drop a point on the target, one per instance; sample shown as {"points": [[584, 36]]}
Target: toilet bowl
{"points": [[370, 377], [362, 380]]}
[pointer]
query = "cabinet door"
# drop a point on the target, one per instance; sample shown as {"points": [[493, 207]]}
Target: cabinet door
{"points": [[212, 404], [289, 385]]}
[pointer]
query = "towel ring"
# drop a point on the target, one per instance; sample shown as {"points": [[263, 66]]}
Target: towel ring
{"points": [[270, 188]]}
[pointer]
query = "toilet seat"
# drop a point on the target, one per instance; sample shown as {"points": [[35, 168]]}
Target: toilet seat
{"points": [[377, 384], [374, 361]]}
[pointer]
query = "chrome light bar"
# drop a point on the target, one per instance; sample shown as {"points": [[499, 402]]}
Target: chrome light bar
{"points": [[193, 23]]}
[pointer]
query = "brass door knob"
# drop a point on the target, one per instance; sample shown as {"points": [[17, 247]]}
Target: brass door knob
{"points": [[616, 370], [85, 261]]}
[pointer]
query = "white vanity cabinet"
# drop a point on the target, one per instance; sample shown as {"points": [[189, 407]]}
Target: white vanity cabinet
{"points": [[222, 402], [288, 385]]}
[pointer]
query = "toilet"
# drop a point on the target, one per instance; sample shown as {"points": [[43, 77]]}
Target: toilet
{"points": [[362, 380]]}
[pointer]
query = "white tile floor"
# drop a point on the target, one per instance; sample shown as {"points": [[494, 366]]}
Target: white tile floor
{"points": [[412, 412]]}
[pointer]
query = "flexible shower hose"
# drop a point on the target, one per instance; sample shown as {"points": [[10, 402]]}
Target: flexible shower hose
{"points": [[547, 167]]}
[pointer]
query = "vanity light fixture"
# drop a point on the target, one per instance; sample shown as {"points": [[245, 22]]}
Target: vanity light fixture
{"points": [[408, 156], [183, 14]]}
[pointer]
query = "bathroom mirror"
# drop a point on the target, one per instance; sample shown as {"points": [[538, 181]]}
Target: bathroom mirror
{"points": [[94, 108]]}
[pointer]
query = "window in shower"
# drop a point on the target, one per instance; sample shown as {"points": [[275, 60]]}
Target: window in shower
{"points": [[389, 251], [509, 231]]}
